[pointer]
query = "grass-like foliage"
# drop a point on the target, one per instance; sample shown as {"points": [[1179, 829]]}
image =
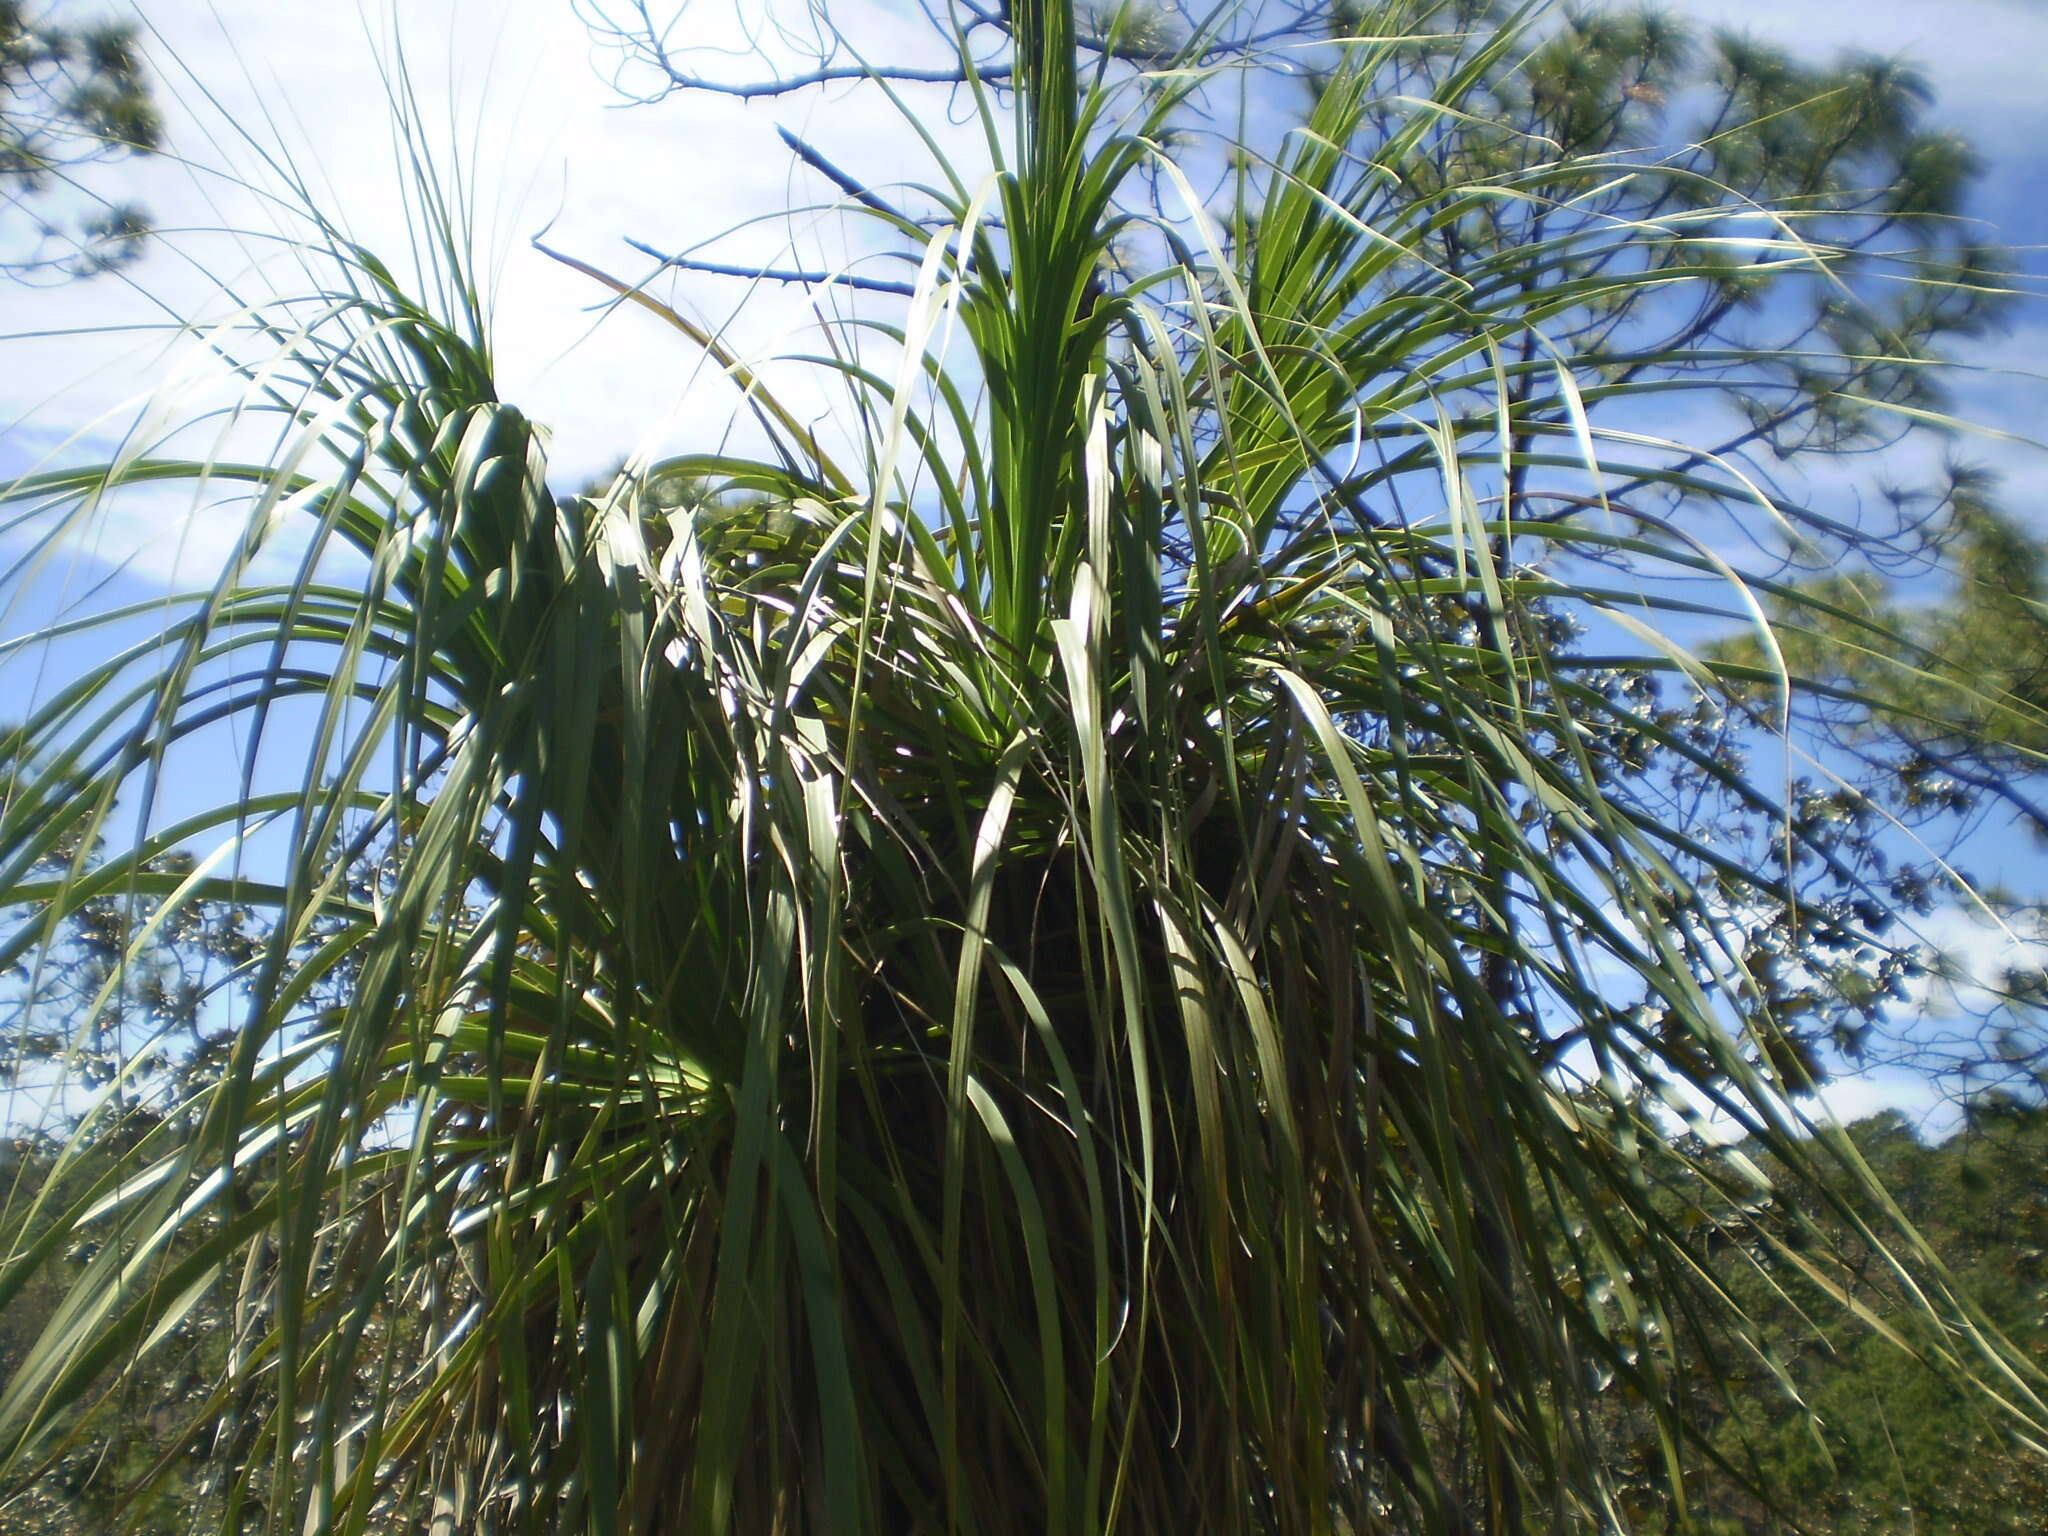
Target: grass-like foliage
{"points": [[1082, 964]]}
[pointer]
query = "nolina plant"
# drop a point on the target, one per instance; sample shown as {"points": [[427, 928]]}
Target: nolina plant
{"points": [[1054, 972]]}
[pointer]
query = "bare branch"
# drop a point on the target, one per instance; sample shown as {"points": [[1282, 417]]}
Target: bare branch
{"points": [[774, 274], [645, 42], [842, 180], [682, 80]]}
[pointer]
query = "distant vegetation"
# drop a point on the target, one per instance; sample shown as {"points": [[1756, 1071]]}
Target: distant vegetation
{"points": [[1890, 1446]]}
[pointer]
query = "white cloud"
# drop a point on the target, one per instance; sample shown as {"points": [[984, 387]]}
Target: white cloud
{"points": [[519, 91], [516, 105], [1975, 951], [1857, 1096]]}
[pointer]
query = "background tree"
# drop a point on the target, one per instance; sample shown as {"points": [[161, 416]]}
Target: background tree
{"points": [[1084, 963], [1961, 708], [1946, 721], [111, 1031], [71, 95]]}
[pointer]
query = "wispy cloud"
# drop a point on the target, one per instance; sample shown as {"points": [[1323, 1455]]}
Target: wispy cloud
{"points": [[529, 125]]}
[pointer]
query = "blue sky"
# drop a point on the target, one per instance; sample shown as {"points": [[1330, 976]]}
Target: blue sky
{"points": [[546, 144], [525, 97]]}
